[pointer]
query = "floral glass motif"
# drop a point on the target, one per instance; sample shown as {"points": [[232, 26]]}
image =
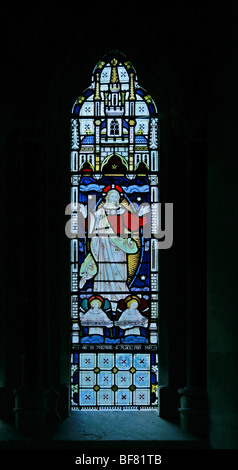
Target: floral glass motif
{"points": [[114, 255]]}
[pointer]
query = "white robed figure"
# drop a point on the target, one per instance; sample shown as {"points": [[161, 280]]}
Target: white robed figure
{"points": [[95, 318], [107, 262], [131, 319]]}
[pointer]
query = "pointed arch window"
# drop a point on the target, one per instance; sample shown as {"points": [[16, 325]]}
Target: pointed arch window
{"points": [[114, 128], [114, 255]]}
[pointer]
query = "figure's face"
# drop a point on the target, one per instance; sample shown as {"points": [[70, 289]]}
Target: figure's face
{"points": [[114, 197], [94, 305], [133, 305]]}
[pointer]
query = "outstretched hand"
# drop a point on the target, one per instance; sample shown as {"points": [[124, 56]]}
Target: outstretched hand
{"points": [[83, 210], [143, 210]]}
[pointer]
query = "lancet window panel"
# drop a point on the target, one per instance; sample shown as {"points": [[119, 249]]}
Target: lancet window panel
{"points": [[114, 380], [114, 254]]}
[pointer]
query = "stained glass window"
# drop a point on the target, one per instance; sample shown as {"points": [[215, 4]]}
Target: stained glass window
{"points": [[114, 253]]}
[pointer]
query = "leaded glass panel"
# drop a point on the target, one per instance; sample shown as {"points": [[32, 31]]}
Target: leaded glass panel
{"points": [[114, 252]]}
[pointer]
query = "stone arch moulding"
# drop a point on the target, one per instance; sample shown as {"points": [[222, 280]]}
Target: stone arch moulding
{"points": [[164, 94]]}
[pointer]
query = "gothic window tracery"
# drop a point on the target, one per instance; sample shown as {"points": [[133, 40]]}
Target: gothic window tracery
{"points": [[114, 262], [114, 128]]}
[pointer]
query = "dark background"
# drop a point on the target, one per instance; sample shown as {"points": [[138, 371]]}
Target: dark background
{"points": [[185, 55]]}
